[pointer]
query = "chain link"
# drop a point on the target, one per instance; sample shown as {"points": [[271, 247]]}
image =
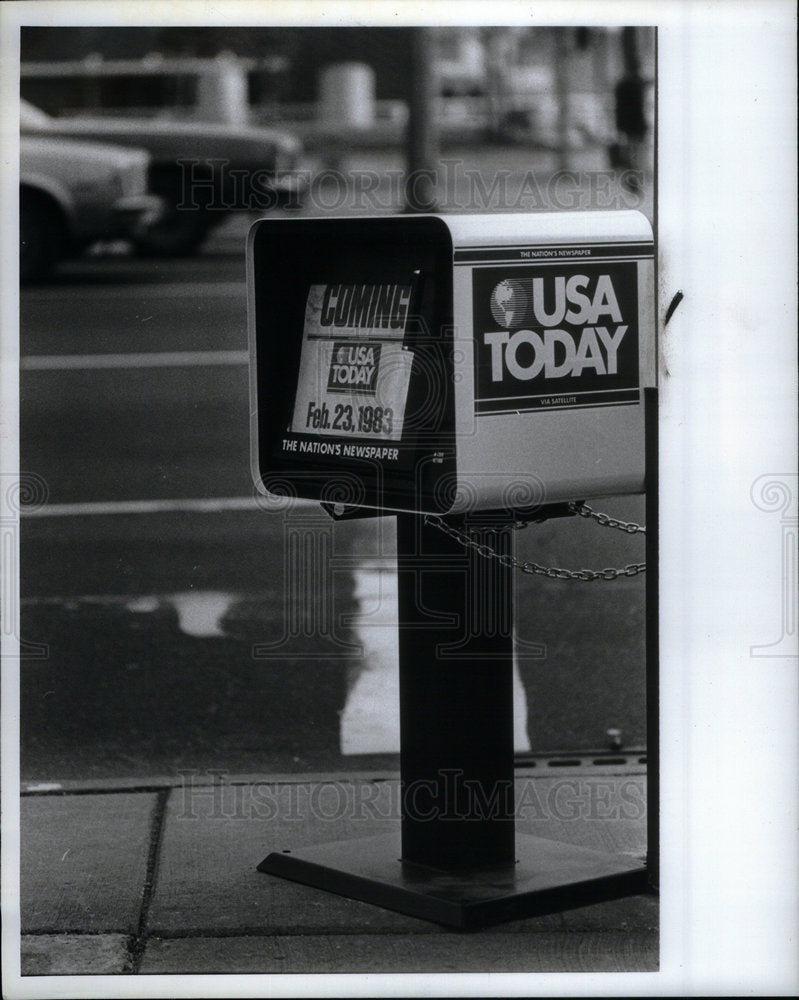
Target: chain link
{"points": [[533, 568], [604, 519]]}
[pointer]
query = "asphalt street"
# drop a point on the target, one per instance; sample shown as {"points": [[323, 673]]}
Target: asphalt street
{"points": [[164, 624]]}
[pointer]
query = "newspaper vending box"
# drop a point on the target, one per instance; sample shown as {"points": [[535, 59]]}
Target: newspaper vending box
{"points": [[461, 372], [451, 364]]}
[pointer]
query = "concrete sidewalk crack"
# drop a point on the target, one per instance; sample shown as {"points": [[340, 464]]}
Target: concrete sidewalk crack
{"points": [[157, 823]]}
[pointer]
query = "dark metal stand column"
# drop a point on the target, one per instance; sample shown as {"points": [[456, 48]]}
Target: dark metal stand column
{"points": [[456, 698]]}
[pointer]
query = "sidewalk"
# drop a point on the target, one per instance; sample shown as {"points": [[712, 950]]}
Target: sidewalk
{"points": [[121, 879]]}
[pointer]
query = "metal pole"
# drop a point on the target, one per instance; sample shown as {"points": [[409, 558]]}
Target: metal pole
{"points": [[456, 699], [422, 136], [562, 88], [652, 642]]}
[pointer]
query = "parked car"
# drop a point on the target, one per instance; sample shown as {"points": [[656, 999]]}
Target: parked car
{"points": [[203, 171], [72, 194]]}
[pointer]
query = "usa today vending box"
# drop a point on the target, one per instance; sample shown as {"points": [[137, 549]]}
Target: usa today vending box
{"points": [[447, 364]]}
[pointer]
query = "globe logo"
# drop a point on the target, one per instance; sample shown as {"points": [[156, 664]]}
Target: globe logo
{"points": [[509, 303]]}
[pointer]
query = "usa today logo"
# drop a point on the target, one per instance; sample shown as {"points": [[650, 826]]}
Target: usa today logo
{"points": [[564, 326], [354, 366]]}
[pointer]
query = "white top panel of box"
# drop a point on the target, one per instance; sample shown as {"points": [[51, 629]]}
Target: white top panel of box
{"points": [[517, 228]]}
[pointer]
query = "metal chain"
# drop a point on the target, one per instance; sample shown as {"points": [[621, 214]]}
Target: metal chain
{"points": [[533, 568], [604, 519]]}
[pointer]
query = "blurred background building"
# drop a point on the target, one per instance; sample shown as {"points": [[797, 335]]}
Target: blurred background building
{"points": [[546, 88]]}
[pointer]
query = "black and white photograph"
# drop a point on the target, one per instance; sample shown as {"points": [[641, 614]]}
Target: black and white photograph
{"points": [[399, 499]]}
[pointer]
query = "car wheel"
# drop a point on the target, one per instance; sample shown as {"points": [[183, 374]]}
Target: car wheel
{"points": [[177, 233], [42, 239]]}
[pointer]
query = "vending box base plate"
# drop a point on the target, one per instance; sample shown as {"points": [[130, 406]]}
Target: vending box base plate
{"points": [[548, 876]]}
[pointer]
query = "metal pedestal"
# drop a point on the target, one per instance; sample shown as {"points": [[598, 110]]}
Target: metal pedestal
{"points": [[456, 859], [547, 876]]}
